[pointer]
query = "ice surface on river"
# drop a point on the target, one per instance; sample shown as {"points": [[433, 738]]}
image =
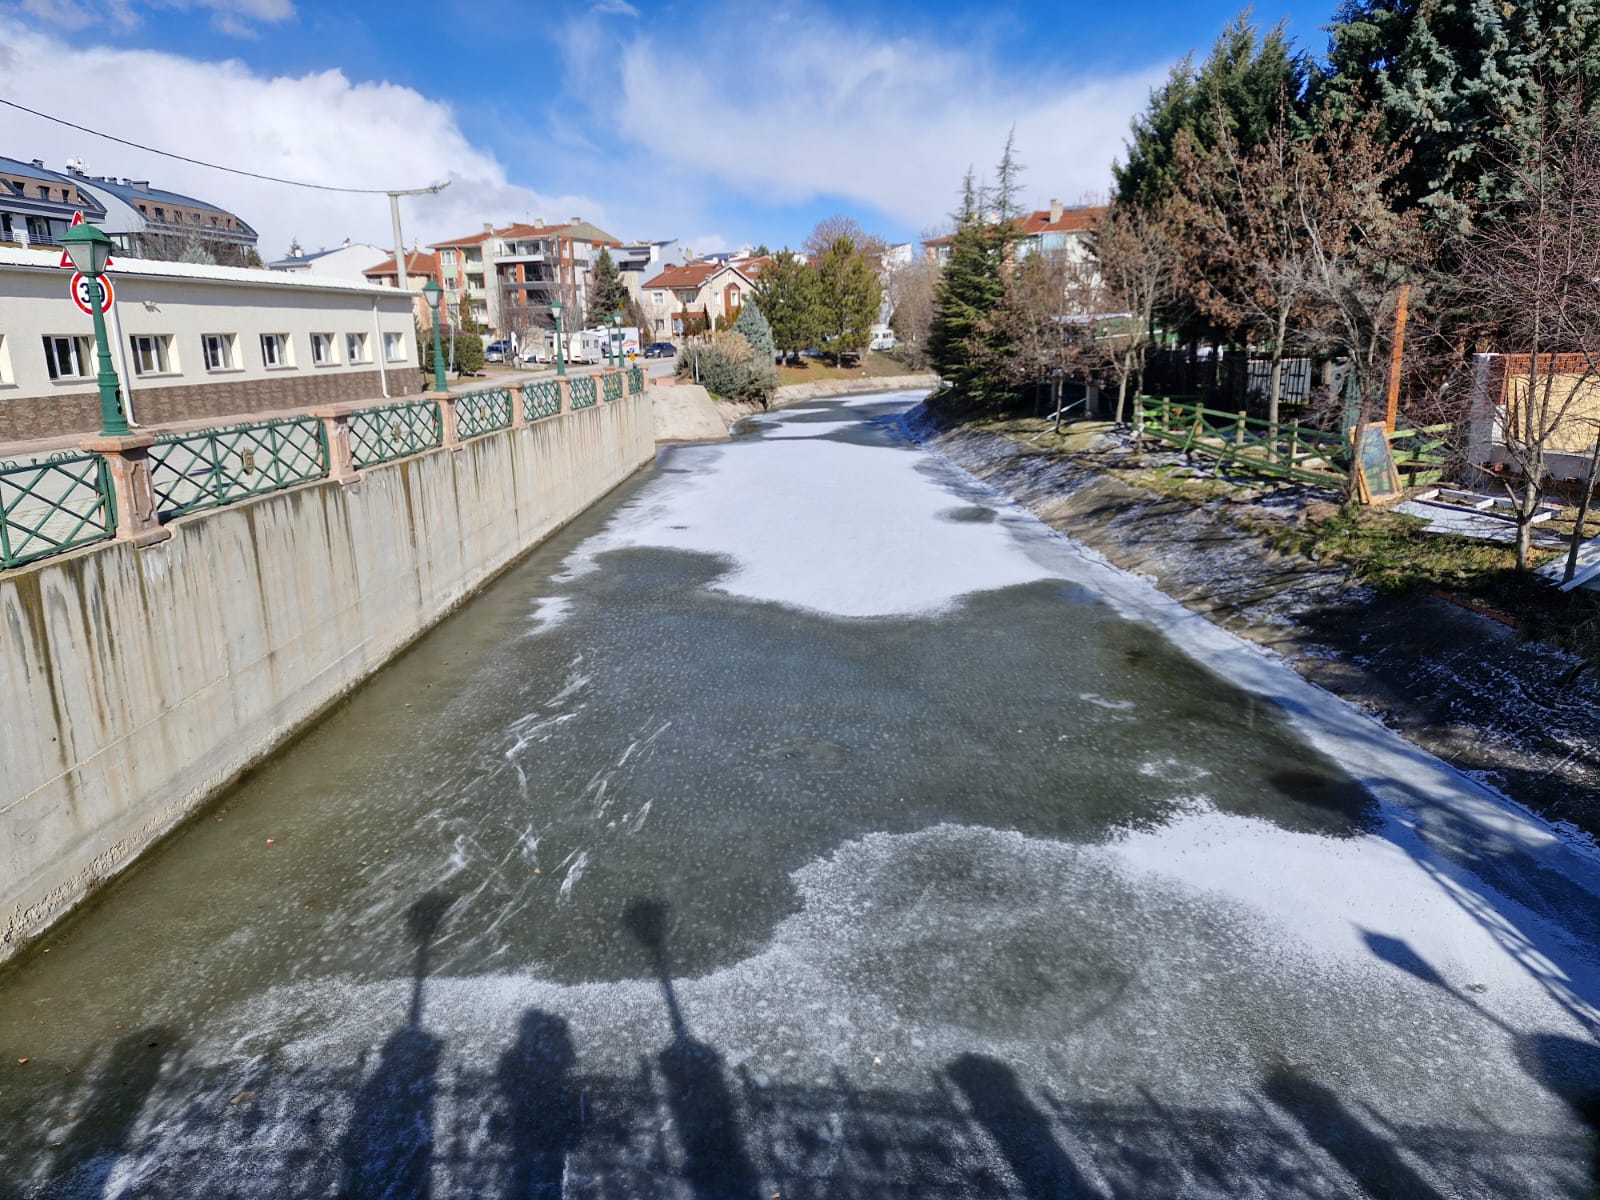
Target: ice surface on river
{"points": [[775, 509]]}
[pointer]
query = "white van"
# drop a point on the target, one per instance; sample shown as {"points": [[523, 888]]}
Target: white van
{"points": [[883, 338]]}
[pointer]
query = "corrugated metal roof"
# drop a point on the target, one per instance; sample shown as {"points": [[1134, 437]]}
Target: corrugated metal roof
{"points": [[252, 276]]}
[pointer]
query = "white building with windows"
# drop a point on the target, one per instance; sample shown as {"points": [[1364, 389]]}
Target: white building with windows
{"points": [[195, 342]]}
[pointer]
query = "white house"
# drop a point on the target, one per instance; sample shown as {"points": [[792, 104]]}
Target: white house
{"points": [[194, 341], [342, 262]]}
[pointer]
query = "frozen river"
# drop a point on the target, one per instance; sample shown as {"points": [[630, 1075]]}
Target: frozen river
{"points": [[805, 821]]}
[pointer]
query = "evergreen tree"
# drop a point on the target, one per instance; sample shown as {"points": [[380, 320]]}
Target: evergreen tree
{"points": [[848, 297], [757, 331], [469, 344], [1462, 81], [1240, 83], [968, 290], [607, 292], [786, 293]]}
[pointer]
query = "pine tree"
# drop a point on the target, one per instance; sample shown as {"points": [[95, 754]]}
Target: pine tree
{"points": [[848, 297], [757, 331], [787, 295], [607, 292], [968, 290], [1240, 83], [1463, 82]]}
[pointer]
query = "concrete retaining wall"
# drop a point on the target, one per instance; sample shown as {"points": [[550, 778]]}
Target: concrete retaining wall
{"points": [[136, 683]]}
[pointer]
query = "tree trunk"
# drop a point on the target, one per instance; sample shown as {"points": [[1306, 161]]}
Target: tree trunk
{"points": [[1122, 392], [1275, 389]]}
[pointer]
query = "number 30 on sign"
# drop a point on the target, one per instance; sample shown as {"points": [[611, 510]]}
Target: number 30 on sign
{"points": [[80, 293]]}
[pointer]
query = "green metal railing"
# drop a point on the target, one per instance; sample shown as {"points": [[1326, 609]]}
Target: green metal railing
{"points": [[635, 381], [583, 393], [478, 413], [392, 431], [55, 505], [210, 467], [542, 398], [1283, 450], [612, 380]]}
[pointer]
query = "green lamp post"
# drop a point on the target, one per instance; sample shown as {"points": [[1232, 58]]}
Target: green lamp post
{"points": [[89, 249], [435, 295], [616, 334], [561, 358]]}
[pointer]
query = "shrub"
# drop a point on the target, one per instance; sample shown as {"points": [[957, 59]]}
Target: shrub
{"points": [[727, 366]]}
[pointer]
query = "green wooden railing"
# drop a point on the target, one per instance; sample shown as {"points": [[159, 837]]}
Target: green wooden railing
{"points": [[54, 505], [1283, 450], [209, 467], [478, 413], [612, 380], [391, 431], [541, 399], [582, 391], [1422, 454]]}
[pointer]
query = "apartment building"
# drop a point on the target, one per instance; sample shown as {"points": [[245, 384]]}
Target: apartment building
{"points": [[1055, 230], [421, 266], [37, 205]]}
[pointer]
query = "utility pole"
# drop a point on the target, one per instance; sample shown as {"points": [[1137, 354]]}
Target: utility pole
{"points": [[399, 240]]}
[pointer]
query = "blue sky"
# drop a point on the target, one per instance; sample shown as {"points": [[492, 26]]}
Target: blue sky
{"points": [[716, 123]]}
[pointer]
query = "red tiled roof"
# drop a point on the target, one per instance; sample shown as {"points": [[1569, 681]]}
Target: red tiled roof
{"points": [[1072, 220], [472, 239], [689, 275], [417, 263]]}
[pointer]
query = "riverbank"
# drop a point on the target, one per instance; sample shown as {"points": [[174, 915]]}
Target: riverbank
{"points": [[686, 412], [1515, 714]]}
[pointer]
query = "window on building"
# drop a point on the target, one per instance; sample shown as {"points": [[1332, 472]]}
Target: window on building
{"points": [[67, 357], [39, 229], [355, 348], [275, 350], [44, 192], [161, 214], [322, 350], [6, 377], [658, 297], [448, 257], [5, 228], [219, 351], [394, 347], [452, 284], [152, 353]]}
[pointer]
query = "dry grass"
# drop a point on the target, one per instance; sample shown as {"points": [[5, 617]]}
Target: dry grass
{"points": [[816, 370]]}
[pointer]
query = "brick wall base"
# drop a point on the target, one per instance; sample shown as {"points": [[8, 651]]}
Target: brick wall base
{"points": [[34, 417]]}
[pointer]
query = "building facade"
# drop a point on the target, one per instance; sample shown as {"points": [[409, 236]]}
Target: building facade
{"points": [[1057, 230], [421, 266], [686, 299], [349, 262], [37, 205], [194, 342]]}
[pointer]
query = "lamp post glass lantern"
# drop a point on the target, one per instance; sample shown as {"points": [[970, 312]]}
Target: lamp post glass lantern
{"points": [[89, 249], [435, 294], [561, 358]]}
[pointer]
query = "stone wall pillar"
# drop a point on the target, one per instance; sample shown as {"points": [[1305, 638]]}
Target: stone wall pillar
{"points": [[336, 429], [128, 457], [447, 419], [519, 405], [564, 385]]}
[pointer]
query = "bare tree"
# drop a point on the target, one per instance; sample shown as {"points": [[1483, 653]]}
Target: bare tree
{"points": [[1136, 260], [830, 229], [1532, 273], [910, 288], [1243, 238]]}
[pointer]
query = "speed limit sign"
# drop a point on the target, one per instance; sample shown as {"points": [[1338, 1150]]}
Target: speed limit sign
{"points": [[80, 293]]}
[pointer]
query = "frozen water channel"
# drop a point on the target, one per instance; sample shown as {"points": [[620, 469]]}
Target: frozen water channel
{"points": [[805, 821]]}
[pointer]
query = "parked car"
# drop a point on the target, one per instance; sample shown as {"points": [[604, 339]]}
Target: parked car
{"points": [[497, 352], [660, 350], [532, 354]]}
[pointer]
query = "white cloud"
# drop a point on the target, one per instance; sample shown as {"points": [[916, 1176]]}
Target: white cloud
{"points": [[319, 128], [236, 17], [890, 123]]}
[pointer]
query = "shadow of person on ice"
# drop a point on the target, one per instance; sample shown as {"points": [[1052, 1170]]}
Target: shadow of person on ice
{"points": [[387, 1152], [99, 1138], [716, 1163], [542, 1119]]}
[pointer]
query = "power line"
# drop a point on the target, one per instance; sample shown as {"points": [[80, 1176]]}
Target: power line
{"points": [[321, 187]]}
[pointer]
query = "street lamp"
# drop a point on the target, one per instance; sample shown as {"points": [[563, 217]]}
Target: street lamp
{"points": [[435, 294], [561, 359], [616, 349], [89, 248]]}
